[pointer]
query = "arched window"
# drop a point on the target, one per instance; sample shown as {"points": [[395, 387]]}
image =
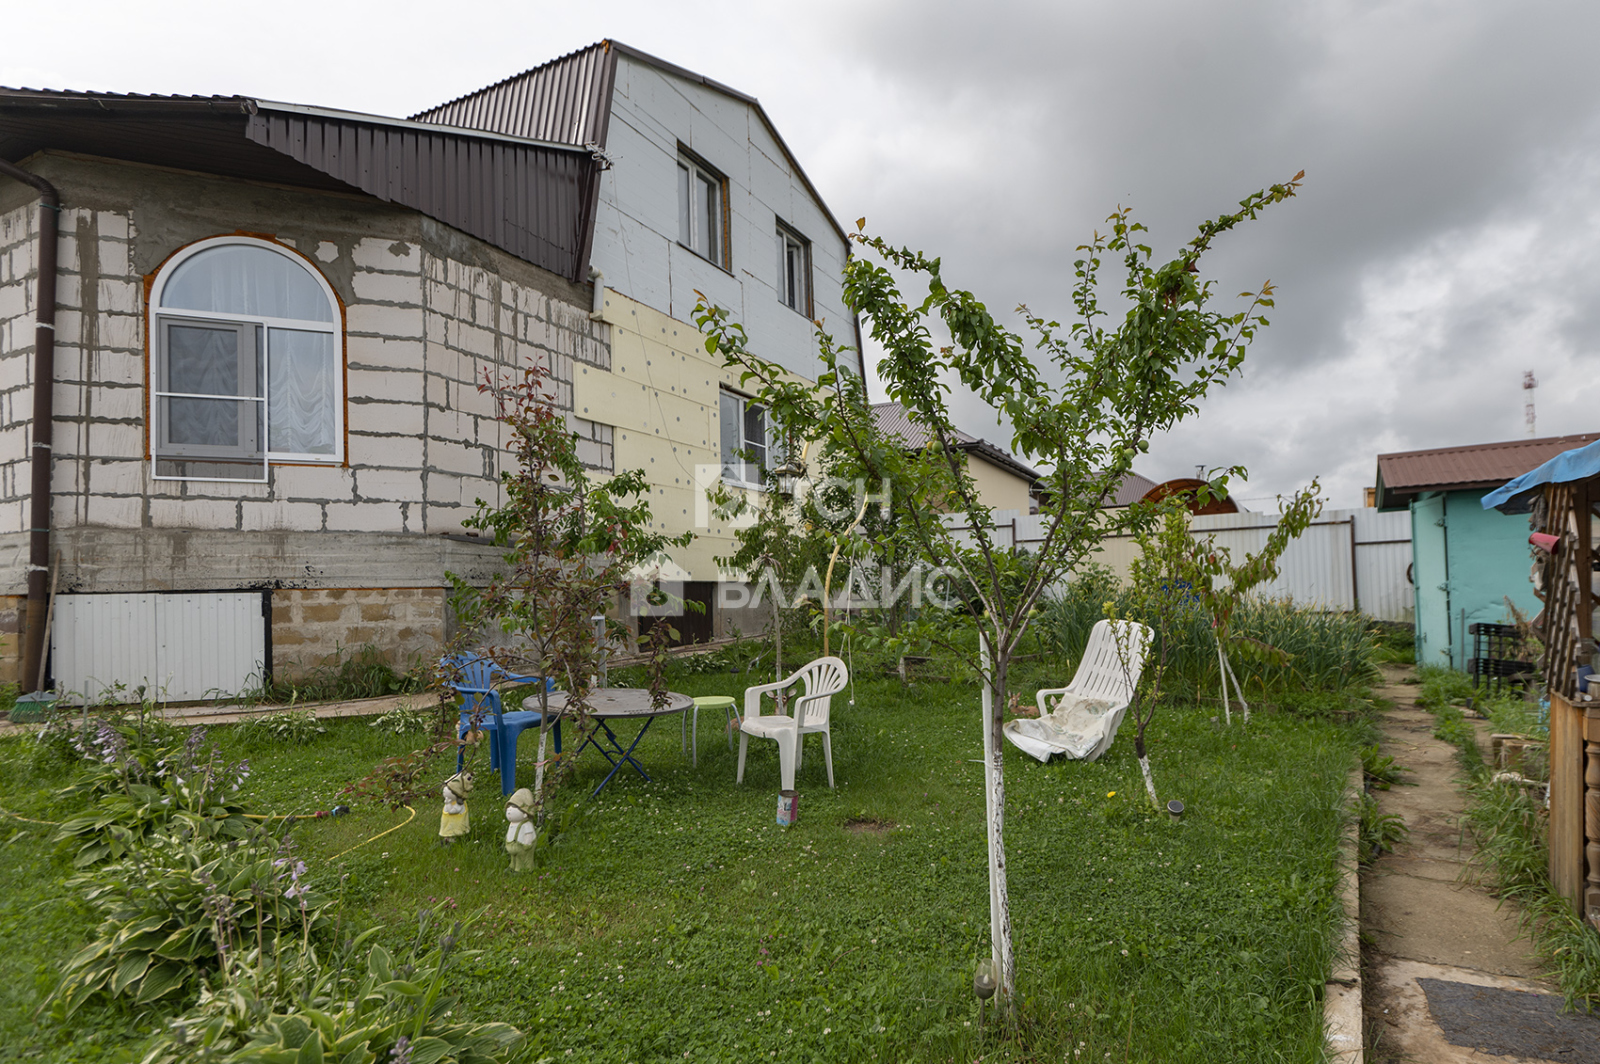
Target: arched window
{"points": [[245, 339]]}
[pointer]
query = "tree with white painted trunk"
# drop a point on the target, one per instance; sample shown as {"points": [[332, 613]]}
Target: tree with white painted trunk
{"points": [[1083, 402]]}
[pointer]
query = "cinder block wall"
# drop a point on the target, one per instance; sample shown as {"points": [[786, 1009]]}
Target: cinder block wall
{"points": [[13, 609], [430, 313], [318, 627]]}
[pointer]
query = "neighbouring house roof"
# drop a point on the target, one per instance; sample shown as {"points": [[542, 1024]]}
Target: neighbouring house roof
{"points": [[1404, 475], [569, 100], [1133, 488], [894, 420], [1189, 487], [530, 197]]}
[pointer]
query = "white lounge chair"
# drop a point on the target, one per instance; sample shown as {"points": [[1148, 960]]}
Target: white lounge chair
{"points": [[1088, 711], [808, 712]]}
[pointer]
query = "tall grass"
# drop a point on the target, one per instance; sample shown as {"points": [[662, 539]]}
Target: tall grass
{"points": [[1283, 647], [1510, 824], [348, 675]]}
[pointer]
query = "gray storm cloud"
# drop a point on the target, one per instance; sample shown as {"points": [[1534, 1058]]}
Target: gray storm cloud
{"points": [[1444, 241]]}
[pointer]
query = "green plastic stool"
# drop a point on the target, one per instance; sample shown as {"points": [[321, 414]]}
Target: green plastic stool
{"points": [[709, 702]]}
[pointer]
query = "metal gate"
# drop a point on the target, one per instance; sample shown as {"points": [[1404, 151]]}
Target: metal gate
{"points": [[181, 646]]}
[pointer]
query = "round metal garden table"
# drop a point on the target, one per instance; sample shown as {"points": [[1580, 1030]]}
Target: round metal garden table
{"points": [[609, 704]]}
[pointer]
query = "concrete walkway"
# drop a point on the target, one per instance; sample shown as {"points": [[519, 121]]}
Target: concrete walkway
{"points": [[210, 713], [1424, 915]]}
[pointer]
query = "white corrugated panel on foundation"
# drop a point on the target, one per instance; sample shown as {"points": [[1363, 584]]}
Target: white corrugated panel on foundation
{"points": [[179, 647]]}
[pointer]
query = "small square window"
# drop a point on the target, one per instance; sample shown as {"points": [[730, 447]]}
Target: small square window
{"points": [[702, 200], [794, 270]]}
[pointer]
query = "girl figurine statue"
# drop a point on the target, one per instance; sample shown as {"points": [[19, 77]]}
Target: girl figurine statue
{"points": [[453, 821], [520, 832]]}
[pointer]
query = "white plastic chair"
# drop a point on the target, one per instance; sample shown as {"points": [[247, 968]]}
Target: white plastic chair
{"points": [[823, 678], [1088, 710]]}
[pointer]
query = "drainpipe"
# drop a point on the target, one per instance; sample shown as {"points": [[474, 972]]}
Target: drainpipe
{"points": [[44, 375]]}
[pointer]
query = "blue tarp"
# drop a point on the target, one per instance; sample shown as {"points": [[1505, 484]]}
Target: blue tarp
{"points": [[1580, 463]]}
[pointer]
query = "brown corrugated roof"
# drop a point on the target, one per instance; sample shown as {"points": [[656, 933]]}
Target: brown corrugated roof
{"points": [[895, 420], [1406, 474], [530, 198], [567, 99]]}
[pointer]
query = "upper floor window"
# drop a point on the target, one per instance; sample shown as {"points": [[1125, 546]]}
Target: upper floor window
{"points": [[744, 440], [794, 270], [244, 342], [702, 201]]}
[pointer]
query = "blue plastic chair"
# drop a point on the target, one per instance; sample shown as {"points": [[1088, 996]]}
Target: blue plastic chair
{"points": [[476, 676]]}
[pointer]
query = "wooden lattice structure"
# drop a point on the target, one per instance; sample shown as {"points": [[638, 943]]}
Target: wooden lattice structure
{"points": [[1566, 627]]}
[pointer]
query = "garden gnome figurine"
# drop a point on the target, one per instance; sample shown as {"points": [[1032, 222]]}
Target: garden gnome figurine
{"points": [[520, 832], [453, 821]]}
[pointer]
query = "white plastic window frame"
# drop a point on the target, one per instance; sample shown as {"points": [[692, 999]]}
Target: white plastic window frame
{"points": [[794, 286], [690, 173], [767, 445], [156, 342]]}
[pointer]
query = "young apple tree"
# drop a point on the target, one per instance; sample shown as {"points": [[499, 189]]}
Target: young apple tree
{"points": [[1081, 402], [572, 547]]}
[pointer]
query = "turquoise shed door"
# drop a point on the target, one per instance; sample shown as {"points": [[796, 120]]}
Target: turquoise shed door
{"points": [[1430, 573]]}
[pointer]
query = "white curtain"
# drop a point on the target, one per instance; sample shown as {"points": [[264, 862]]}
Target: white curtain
{"points": [[246, 279], [300, 391]]}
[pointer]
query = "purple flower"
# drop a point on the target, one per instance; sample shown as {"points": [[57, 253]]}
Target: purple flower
{"points": [[401, 1053]]}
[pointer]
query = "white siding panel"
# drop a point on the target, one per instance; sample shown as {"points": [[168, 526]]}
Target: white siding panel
{"points": [[98, 641], [179, 647]]}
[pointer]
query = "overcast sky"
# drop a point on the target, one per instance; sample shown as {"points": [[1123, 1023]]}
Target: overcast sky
{"points": [[1447, 238]]}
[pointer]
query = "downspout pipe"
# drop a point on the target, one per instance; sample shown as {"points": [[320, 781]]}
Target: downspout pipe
{"points": [[44, 375]]}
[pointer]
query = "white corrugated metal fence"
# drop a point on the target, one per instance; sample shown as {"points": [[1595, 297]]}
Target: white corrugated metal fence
{"points": [[1347, 559]]}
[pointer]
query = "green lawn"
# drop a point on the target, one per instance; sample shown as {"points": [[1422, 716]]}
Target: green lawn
{"points": [[675, 919]]}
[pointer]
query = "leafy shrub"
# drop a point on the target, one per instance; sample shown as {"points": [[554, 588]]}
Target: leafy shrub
{"points": [[289, 726], [1394, 643], [358, 1006], [406, 719], [177, 907]]}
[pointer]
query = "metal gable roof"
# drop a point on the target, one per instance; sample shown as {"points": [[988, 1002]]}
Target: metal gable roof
{"points": [[1405, 474], [569, 99], [530, 198]]}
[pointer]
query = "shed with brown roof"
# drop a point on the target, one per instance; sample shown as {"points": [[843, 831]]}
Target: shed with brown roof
{"points": [[1404, 475], [1469, 565]]}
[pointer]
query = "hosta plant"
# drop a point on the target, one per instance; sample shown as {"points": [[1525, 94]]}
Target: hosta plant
{"points": [[139, 789], [357, 1005], [177, 907]]}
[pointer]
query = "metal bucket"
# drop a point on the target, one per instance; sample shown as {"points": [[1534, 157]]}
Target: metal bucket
{"points": [[788, 808]]}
